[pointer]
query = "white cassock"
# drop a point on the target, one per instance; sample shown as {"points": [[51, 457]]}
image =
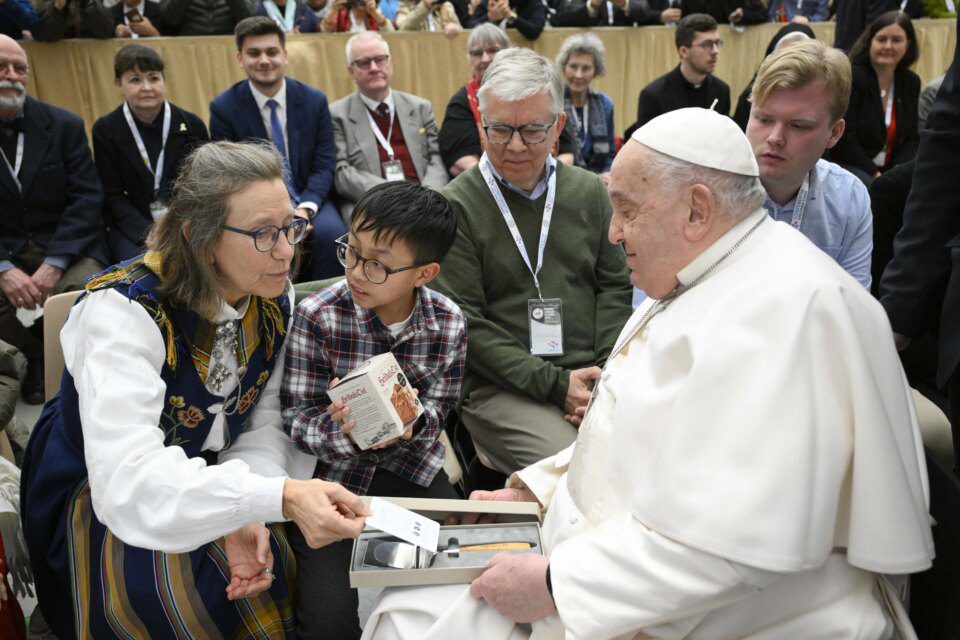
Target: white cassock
{"points": [[751, 468]]}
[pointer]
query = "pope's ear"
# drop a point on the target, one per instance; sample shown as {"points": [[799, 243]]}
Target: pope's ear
{"points": [[703, 211]]}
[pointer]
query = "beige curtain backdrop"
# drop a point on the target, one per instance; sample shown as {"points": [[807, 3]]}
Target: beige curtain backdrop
{"points": [[78, 74]]}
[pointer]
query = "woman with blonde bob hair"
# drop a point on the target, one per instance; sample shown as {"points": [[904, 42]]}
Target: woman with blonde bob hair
{"points": [[148, 478]]}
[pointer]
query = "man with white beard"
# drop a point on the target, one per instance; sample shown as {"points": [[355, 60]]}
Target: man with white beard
{"points": [[51, 230], [750, 464]]}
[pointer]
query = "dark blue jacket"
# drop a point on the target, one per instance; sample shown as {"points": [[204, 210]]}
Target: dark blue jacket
{"points": [[313, 157], [15, 16], [59, 206]]}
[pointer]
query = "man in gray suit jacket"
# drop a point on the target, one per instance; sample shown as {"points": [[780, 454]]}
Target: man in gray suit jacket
{"points": [[381, 134]]}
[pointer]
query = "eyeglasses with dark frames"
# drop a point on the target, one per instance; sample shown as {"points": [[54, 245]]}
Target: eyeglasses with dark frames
{"points": [[364, 63], [265, 238], [708, 45], [375, 271], [529, 133]]}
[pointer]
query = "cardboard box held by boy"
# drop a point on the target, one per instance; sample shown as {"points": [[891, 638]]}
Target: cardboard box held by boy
{"points": [[381, 400]]}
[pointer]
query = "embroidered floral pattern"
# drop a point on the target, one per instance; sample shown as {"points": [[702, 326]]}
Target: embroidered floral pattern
{"points": [[262, 378], [248, 399], [176, 416]]}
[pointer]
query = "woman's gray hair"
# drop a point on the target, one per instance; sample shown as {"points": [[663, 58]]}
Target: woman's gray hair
{"points": [[485, 35], [186, 235], [517, 74], [738, 195], [586, 43], [360, 37]]}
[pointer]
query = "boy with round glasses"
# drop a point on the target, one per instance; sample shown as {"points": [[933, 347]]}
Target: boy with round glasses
{"points": [[399, 234]]}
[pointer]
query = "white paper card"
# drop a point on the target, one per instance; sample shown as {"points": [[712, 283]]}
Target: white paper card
{"points": [[405, 524]]}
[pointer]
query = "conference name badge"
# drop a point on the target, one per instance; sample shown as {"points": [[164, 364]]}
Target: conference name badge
{"points": [[546, 326], [392, 170]]}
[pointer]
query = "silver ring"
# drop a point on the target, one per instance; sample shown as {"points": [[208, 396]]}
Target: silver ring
{"points": [[19, 300], [268, 570]]}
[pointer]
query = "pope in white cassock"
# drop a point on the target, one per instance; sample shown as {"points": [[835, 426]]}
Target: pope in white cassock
{"points": [[751, 466]]}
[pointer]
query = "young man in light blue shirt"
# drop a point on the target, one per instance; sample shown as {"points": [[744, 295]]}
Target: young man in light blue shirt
{"points": [[799, 98]]}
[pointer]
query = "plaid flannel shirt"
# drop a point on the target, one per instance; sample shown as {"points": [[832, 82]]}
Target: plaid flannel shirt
{"points": [[332, 336]]}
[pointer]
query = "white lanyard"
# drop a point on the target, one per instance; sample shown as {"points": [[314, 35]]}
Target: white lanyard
{"points": [[286, 20], [430, 24], [158, 171], [384, 142], [512, 224], [903, 5], [586, 117], [800, 203], [609, 12], [799, 4], [18, 160], [889, 114], [951, 6]]}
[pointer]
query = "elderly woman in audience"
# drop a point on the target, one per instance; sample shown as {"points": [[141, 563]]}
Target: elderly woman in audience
{"points": [[354, 16], [428, 15], [882, 126], [149, 477], [139, 148], [589, 112], [787, 34], [460, 145]]}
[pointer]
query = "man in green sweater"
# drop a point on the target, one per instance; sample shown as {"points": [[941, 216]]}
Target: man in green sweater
{"points": [[544, 292]]}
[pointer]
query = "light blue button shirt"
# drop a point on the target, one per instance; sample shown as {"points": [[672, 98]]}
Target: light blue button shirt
{"points": [[837, 218]]}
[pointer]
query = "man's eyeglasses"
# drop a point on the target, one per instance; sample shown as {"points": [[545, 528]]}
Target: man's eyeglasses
{"points": [[375, 271], [707, 45], [529, 133], [490, 51], [265, 238], [364, 63]]}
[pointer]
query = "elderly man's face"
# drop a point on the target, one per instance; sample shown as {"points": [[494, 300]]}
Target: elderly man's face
{"points": [[519, 163], [14, 77], [789, 133], [371, 68], [647, 221]]}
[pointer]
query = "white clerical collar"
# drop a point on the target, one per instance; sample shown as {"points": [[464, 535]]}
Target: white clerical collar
{"points": [[538, 188], [281, 96], [372, 104], [718, 249]]}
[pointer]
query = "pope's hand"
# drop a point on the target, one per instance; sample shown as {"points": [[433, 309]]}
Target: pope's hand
{"points": [[251, 561], [578, 392], [324, 511], [516, 586]]}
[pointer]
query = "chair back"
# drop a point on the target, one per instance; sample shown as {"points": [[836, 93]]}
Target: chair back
{"points": [[55, 312]]}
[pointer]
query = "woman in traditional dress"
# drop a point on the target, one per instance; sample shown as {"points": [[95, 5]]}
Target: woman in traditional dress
{"points": [[147, 480]]}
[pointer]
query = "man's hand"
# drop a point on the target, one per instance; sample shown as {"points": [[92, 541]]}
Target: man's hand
{"points": [[800, 20], [451, 29], [668, 16], [324, 511], [250, 560], [306, 214], [46, 278], [901, 341], [516, 586], [498, 10], [122, 31], [20, 289], [144, 28], [578, 392], [736, 16]]}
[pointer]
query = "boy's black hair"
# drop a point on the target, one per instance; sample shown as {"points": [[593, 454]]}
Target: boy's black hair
{"points": [[136, 56], [407, 211]]}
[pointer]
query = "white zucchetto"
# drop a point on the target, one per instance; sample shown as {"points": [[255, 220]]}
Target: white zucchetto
{"points": [[702, 137]]}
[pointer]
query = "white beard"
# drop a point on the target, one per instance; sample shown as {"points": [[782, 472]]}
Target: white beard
{"points": [[15, 103]]}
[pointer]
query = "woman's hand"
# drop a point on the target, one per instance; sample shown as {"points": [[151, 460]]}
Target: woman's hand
{"points": [[251, 561], [324, 511]]}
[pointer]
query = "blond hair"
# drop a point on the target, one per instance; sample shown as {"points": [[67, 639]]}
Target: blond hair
{"points": [[801, 63]]}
